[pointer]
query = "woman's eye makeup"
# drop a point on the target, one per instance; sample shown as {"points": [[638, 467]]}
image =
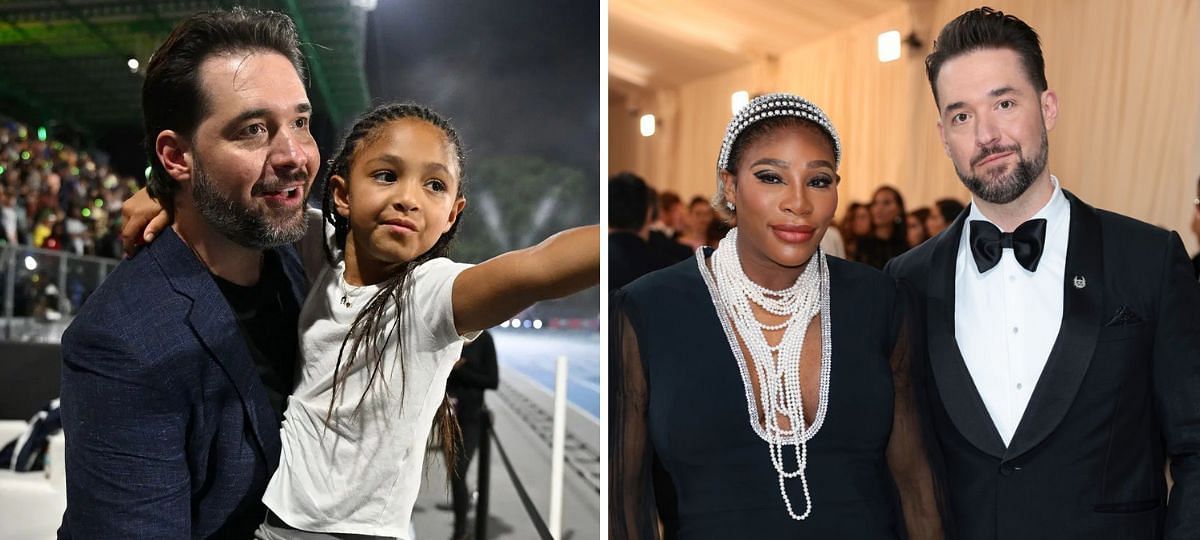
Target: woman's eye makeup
{"points": [[768, 177], [821, 180]]}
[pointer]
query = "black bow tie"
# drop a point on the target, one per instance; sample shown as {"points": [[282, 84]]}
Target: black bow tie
{"points": [[988, 243]]}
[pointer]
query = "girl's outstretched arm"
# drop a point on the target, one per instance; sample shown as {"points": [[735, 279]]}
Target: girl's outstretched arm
{"points": [[493, 291]]}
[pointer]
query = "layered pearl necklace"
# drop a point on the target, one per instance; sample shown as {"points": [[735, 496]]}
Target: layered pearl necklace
{"points": [[777, 368]]}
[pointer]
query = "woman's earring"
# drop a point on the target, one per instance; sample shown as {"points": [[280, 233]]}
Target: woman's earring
{"points": [[729, 205]]}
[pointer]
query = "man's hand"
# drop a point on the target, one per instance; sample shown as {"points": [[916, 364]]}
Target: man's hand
{"points": [[144, 218]]}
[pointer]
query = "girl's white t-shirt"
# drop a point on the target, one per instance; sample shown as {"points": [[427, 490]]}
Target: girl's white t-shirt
{"points": [[360, 472]]}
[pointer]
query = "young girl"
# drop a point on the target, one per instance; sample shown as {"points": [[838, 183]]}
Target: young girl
{"points": [[384, 325], [382, 329]]}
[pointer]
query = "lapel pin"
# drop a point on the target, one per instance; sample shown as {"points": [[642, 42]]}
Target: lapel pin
{"points": [[1080, 282]]}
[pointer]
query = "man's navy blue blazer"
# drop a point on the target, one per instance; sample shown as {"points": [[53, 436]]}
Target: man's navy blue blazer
{"points": [[169, 432]]}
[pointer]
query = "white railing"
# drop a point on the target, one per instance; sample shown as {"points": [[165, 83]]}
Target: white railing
{"points": [[42, 289]]}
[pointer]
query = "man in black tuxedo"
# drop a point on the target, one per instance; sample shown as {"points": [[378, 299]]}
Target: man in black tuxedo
{"points": [[1063, 341]]}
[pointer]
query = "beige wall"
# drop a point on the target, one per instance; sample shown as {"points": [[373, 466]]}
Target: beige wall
{"points": [[1127, 75]]}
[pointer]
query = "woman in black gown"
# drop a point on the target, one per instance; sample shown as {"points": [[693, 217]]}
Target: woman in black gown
{"points": [[716, 434]]}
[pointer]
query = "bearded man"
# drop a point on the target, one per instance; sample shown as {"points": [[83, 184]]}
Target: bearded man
{"points": [[176, 370], [1063, 341]]}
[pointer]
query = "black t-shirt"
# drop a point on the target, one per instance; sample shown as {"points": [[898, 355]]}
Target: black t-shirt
{"points": [[267, 314]]}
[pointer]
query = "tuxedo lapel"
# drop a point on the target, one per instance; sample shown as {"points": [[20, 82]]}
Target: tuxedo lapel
{"points": [[214, 324], [1083, 297], [957, 389]]}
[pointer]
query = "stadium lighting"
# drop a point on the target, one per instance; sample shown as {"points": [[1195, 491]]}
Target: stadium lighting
{"points": [[516, 323], [133, 64], [30, 263], [537, 324], [527, 323]]}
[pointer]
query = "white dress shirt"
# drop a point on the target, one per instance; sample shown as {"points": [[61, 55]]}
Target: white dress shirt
{"points": [[1007, 319]]}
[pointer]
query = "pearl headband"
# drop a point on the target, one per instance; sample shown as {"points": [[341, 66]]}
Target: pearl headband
{"points": [[770, 106]]}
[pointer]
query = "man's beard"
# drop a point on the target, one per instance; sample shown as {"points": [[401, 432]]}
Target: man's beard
{"points": [[252, 226], [1006, 189]]}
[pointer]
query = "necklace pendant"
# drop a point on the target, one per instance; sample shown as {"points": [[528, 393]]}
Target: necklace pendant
{"points": [[345, 301]]}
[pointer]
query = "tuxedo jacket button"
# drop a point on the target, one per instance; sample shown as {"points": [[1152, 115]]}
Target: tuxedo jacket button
{"points": [[1006, 469]]}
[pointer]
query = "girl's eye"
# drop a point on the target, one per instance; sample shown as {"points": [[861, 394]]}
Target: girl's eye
{"points": [[386, 177], [769, 178], [436, 185], [820, 181]]}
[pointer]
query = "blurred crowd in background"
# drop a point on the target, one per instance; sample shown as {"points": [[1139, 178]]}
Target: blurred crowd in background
{"points": [[55, 201], [55, 197]]}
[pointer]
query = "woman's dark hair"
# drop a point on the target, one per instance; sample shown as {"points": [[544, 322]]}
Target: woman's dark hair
{"points": [[921, 214], [751, 135], [847, 225], [986, 28], [949, 209], [898, 231], [365, 332], [172, 97]]}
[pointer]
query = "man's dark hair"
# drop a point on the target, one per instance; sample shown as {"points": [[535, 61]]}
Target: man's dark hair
{"points": [[949, 208], [172, 98], [627, 198], [986, 28]]}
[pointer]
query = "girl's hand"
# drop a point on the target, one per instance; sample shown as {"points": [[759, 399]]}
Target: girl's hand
{"points": [[144, 219]]}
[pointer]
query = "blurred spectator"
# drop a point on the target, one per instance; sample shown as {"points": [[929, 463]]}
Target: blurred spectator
{"points": [[671, 215], [832, 243], [717, 229], [915, 227], [700, 215], [664, 250], [888, 238], [8, 217], [855, 224], [109, 245], [475, 373], [628, 230], [941, 215]]}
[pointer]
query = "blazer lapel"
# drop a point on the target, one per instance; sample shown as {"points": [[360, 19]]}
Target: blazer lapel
{"points": [[214, 324], [1072, 351], [960, 397]]}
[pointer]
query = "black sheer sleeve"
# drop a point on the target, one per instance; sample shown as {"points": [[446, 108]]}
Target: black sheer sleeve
{"points": [[631, 509], [913, 452]]}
